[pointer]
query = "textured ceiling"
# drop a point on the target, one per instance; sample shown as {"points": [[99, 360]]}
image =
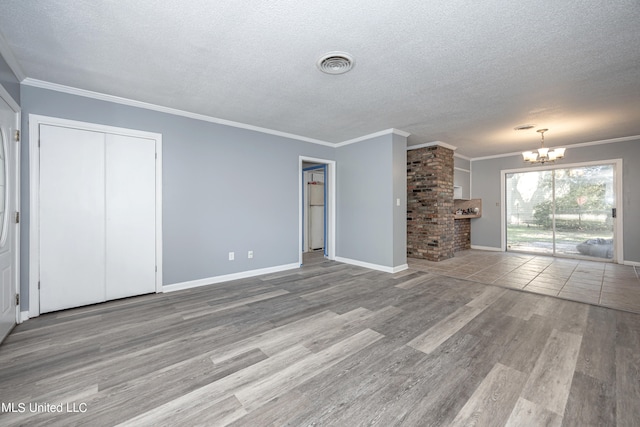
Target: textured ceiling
{"points": [[461, 72]]}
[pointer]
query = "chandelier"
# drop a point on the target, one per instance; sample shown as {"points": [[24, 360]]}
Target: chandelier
{"points": [[543, 154]]}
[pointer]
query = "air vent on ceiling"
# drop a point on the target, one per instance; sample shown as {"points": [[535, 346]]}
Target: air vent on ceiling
{"points": [[524, 127], [335, 63]]}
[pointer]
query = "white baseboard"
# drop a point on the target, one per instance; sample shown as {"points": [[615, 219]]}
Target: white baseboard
{"points": [[372, 266], [632, 263], [399, 268], [227, 277], [487, 248], [24, 316]]}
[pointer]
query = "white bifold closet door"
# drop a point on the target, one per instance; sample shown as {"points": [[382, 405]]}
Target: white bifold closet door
{"points": [[131, 215], [97, 217]]}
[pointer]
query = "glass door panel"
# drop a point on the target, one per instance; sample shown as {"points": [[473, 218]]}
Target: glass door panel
{"points": [[529, 212], [584, 200]]}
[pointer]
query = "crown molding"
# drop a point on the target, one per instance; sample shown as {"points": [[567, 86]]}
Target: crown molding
{"points": [[139, 104], [578, 145], [390, 131], [460, 156], [148, 106], [433, 144], [10, 58]]}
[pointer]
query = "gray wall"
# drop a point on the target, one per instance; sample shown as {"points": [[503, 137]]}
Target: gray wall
{"points": [[462, 176], [459, 162], [399, 170], [371, 175], [9, 81], [485, 179], [224, 188]]}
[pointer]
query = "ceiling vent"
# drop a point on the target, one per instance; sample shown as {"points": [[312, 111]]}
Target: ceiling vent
{"points": [[524, 127], [335, 63]]}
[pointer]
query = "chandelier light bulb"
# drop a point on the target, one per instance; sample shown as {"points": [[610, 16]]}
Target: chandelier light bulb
{"points": [[543, 155]]}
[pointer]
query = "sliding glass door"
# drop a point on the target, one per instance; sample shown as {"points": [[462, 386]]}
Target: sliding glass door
{"points": [[565, 211]]}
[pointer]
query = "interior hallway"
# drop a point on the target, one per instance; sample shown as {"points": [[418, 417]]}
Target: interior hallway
{"points": [[599, 283]]}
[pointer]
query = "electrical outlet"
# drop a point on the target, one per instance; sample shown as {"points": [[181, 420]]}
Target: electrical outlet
{"points": [[232, 256], [250, 254]]}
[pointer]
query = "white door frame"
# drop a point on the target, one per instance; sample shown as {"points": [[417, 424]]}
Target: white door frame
{"points": [[331, 204], [34, 195], [618, 232], [16, 197]]}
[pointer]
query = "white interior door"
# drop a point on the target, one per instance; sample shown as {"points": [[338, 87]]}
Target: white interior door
{"points": [[72, 218], [97, 217], [8, 232], [131, 216]]}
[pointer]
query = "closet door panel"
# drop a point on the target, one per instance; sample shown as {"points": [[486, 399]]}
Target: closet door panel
{"points": [[72, 218], [130, 216]]}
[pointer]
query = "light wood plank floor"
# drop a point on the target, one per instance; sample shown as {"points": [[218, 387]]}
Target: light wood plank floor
{"points": [[601, 283], [328, 344]]}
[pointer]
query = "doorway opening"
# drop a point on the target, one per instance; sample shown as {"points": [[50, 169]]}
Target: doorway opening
{"points": [[567, 211], [314, 209], [317, 210]]}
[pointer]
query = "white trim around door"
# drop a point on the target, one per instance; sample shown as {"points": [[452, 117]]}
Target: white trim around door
{"points": [[34, 191], [330, 182], [618, 256]]}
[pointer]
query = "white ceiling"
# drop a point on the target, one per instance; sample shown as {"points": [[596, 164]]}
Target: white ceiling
{"points": [[462, 72]]}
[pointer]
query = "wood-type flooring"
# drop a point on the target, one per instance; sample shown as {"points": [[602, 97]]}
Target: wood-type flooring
{"points": [[328, 344]]}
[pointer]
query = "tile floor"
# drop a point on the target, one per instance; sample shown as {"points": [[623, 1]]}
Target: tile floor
{"points": [[599, 283]]}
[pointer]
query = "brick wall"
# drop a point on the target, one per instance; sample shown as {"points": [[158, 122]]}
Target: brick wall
{"points": [[462, 240], [430, 223]]}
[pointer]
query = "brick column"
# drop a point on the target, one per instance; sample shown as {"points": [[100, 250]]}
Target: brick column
{"points": [[462, 234], [430, 223]]}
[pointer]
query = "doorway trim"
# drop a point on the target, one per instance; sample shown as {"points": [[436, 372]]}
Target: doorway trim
{"points": [[617, 224], [34, 194], [331, 205]]}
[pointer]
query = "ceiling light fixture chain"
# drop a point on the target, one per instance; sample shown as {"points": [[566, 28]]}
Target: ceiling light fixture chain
{"points": [[543, 155]]}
